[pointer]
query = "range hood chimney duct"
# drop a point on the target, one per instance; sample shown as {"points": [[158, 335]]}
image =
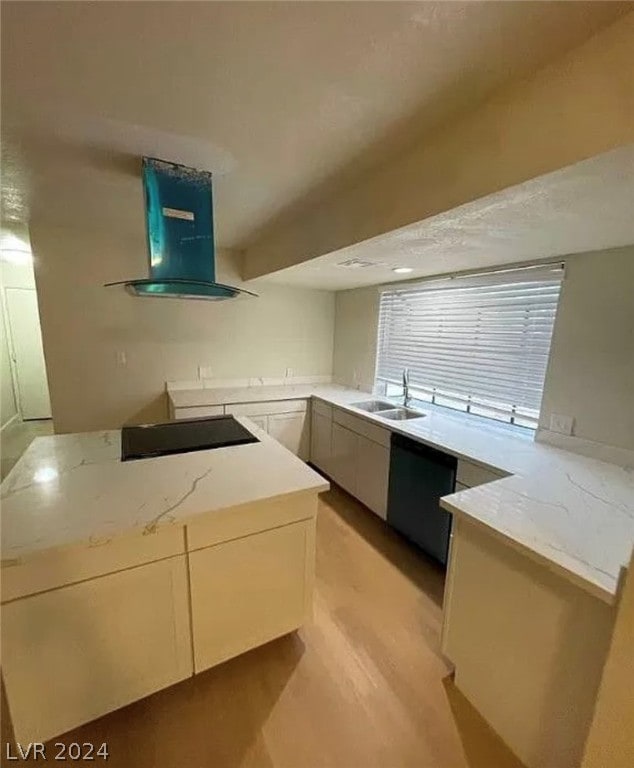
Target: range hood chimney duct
{"points": [[180, 235]]}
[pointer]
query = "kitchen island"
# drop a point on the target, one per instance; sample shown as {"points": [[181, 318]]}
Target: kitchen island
{"points": [[122, 578]]}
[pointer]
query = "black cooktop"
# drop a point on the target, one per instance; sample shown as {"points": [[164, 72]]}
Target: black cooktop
{"points": [[182, 436]]}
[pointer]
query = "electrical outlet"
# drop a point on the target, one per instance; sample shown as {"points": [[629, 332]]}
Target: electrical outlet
{"points": [[289, 373], [561, 424], [121, 358], [205, 372]]}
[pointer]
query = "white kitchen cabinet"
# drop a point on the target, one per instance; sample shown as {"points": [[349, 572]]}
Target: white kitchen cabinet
{"points": [[260, 421], [284, 420], [355, 453], [321, 441], [343, 462], [87, 649], [249, 591], [373, 473], [198, 412], [527, 644], [292, 431]]}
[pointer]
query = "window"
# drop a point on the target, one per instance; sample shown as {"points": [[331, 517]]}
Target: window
{"points": [[478, 344]]}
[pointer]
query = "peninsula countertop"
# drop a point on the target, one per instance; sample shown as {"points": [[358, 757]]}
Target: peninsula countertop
{"points": [[572, 513], [74, 489]]}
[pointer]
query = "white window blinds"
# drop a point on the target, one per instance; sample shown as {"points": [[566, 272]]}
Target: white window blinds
{"points": [[479, 344]]}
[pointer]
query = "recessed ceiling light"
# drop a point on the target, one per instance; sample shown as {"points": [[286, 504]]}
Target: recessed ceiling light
{"points": [[402, 270]]}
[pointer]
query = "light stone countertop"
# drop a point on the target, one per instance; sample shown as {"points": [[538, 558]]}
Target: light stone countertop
{"points": [[572, 513], [193, 398], [70, 490]]}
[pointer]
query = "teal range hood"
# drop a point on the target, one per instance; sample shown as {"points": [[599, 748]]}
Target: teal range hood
{"points": [[180, 235]]}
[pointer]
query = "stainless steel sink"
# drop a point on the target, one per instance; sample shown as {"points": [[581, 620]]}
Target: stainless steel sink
{"points": [[373, 406], [402, 414]]}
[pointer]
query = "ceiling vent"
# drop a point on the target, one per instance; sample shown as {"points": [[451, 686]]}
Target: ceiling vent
{"points": [[359, 264]]}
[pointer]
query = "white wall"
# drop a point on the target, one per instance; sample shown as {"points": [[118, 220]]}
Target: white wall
{"points": [[590, 373], [356, 327], [85, 326]]}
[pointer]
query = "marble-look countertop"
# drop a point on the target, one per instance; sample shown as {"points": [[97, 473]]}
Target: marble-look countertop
{"points": [[193, 398], [74, 489], [572, 513]]}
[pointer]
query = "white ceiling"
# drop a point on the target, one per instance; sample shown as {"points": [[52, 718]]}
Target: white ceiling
{"points": [[273, 97], [585, 207]]}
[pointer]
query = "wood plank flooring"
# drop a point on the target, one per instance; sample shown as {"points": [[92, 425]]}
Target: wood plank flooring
{"points": [[16, 437], [363, 686]]}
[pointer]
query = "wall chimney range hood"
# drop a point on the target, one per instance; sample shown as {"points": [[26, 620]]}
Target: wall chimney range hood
{"points": [[180, 235]]}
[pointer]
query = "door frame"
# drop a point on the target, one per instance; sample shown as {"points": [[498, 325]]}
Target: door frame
{"points": [[12, 358]]}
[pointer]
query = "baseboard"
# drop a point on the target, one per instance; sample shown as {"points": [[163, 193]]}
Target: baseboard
{"points": [[600, 451], [15, 417]]}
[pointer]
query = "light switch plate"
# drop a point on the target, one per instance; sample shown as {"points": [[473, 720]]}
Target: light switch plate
{"points": [[561, 424], [121, 358]]}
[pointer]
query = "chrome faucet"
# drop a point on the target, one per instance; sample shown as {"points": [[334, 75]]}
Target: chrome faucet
{"points": [[405, 387]]}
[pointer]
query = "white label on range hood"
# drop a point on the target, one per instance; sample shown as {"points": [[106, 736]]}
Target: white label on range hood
{"points": [[175, 213]]}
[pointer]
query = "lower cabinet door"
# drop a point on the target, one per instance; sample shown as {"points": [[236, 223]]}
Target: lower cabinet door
{"points": [[321, 441], [249, 591], [291, 430], [343, 464], [76, 653], [373, 473], [260, 421]]}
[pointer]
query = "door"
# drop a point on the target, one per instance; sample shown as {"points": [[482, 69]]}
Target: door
{"points": [[373, 470], [343, 465], [289, 429], [27, 353], [248, 591], [321, 441]]}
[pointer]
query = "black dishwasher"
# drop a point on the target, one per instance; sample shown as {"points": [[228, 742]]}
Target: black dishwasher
{"points": [[419, 476]]}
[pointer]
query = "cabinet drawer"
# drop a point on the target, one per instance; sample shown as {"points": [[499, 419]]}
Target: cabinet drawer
{"points": [[323, 409], [362, 427], [470, 474], [267, 407], [246, 519], [199, 411], [68, 566]]}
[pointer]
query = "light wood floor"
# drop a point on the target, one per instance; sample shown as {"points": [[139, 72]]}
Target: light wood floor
{"points": [[16, 437], [362, 687]]}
